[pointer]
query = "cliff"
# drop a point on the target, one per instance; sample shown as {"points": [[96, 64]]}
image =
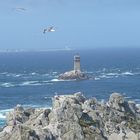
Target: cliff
{"points": [[73, 117]]}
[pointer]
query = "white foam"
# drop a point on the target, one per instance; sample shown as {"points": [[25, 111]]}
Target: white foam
{"points": [[58, 80], [46, 83], [7, 85], [112, 74], [33, 73], [96, 78], [138, 105], [3, 73], [47, 97], [12, 74], [116, 74], [2, 117], [17, 75], [3, 113], [127, 73], [26, 83], [6, 110]]}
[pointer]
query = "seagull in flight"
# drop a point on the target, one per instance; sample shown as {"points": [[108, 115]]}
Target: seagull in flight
{"points": [[20, 9], [50, 29]]}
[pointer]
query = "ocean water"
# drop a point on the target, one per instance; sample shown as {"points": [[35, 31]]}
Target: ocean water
{"points": [[31, 78]]}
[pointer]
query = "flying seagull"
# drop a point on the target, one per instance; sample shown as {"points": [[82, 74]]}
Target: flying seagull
{"points": [[20, 9], [50, 29]]}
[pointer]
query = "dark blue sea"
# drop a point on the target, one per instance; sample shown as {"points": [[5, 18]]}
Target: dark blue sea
{"points": [[31, 78]]}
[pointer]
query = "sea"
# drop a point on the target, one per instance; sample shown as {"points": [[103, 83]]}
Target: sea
{"points": [[30, 78]]}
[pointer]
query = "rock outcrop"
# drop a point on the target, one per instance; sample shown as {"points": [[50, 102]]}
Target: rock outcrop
{"points": [[73, 117], [77, 75]]}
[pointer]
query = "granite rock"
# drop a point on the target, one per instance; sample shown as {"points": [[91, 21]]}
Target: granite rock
{"points": [[73, 117], [76, 75]]}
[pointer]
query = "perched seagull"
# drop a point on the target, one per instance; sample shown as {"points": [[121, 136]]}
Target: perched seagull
{"points": [[50, 29]]}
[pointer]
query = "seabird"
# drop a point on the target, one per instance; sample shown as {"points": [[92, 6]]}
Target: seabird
{"points": [[21, 9], [50, 29]]}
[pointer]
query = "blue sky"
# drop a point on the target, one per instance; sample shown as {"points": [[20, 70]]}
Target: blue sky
{"points": [[78, 23]]}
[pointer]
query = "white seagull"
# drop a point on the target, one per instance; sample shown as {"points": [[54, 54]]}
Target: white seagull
{"points": [[50, 29], [20, 9]]}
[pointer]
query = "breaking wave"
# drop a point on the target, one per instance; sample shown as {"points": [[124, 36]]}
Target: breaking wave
{"points": [[28, 83], [7, 85], [107, 75], [25, 83], [128, 73], [3, 113], [56, 80], [60, 80]]}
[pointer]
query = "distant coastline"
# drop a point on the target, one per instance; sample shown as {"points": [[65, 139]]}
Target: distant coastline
{"points": [[33, 50], [72, 49]]}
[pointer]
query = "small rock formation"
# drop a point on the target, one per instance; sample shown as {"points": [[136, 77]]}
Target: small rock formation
{"points": [[76, 73], [73, 117]]}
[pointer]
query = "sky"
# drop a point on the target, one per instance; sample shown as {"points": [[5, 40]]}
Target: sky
{"points": [[78, 24]]}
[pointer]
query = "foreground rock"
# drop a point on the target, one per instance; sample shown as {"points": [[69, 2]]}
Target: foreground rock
{"points": [[78, 75], [73, 117]]}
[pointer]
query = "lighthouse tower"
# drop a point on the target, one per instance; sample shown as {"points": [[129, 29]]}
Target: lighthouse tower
{"points": [[77, 62]]}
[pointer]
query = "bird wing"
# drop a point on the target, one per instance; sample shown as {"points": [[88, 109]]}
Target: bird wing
{"points": [[50, 28], [44, 31]]}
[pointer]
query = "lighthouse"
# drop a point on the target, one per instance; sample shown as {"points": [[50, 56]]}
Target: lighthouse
{"points": [[76, 62], [76, 73]]}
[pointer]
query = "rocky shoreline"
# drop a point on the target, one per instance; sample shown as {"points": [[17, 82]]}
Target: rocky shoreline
{"points": [[73, 117]]}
